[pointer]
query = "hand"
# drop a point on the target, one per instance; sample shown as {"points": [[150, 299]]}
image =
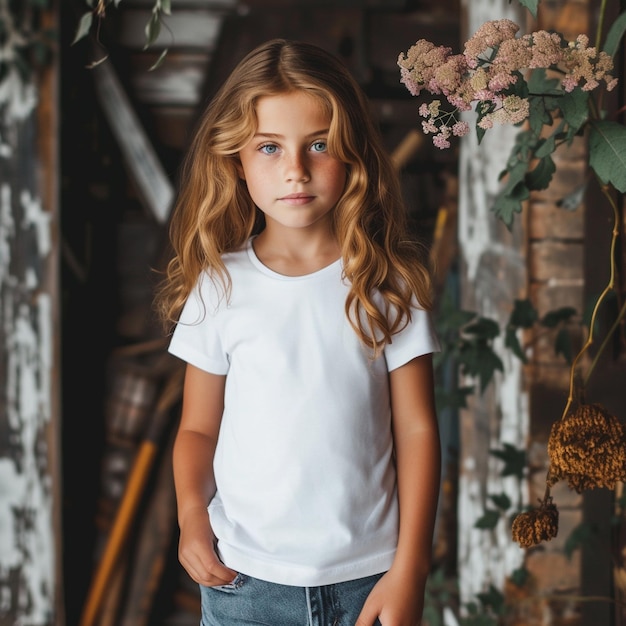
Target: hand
{"points": [[196, 551], [396, 600]]}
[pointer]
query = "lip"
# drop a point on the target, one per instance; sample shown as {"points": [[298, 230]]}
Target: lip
{"points": [[297, 198]]}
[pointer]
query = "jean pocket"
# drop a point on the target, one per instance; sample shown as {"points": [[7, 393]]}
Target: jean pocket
{"points": [[235, 584]]}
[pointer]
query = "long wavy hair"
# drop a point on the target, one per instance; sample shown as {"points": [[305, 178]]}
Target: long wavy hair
{"points": [[214, 212]]}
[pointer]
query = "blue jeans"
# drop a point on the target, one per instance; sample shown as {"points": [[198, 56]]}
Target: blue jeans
{"points": [[248, 601]]}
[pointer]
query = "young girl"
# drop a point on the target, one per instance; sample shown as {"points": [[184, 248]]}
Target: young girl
{"points": [[307, 459]]}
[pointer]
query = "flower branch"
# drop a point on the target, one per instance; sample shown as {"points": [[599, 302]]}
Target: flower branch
{"points": [[539, 79], [553, 90]]}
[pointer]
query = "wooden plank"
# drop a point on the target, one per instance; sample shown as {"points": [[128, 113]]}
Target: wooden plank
{"points": [[173, 125], [153, 185], [178, 81], [182, 29], [551, 261], [492, 274], [338, 30], [546, 220], [31, 555], [156, 532], [396, 32]]}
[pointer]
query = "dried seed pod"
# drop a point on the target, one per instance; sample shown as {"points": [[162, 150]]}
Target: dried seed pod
{"points": [[587, 447], [532, 527]]}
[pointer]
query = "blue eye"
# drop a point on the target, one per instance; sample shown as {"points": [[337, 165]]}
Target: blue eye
{"points": [[319, 146], [269, 148]]}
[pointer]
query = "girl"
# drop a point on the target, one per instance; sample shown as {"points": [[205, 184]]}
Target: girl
{"points": [[307, 458]]}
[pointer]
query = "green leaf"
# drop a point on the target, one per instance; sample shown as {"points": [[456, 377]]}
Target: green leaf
{"points": [[615, 35], [607, 153], [511, 341], [479, 359], [509, 201], [493, 598], [575, 109], [531, 5], [539, 83], [501, 500], [539, 114], [451, 320], [152, 30], [563, 344], [483, 328], [84, 26], [480, 133], [482, 109], [159, 61], [525, 144], [524, 314], [553, 318], [520, 576], [545, 146], [489, 520], [541, 174], [452, 399], [514, 460]]}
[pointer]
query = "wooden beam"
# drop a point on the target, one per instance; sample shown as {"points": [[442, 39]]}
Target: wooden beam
{"points": [[154, 186]]}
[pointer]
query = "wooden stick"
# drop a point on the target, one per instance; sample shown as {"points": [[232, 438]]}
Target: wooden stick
{"points": [[132, 495], [111, 601], [407, 148], [155, 538]]}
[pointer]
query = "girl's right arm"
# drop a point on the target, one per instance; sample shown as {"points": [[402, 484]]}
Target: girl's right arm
{"points": [[194, 449]]}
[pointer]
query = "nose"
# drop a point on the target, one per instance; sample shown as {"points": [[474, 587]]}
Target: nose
{"points": [[296, 169]]}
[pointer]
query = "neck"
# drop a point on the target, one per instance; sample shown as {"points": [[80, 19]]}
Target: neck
{"points": [[298, 254]]}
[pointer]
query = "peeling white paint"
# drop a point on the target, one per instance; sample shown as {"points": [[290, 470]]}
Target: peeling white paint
{"points": [[481, 164], [39, 219], [18, 99], [488, 557], [493, 275], [27, 541], [7, 231]]}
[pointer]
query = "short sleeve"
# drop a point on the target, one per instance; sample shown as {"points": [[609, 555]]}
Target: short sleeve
{"points": [[196, 338], [416, 339]]}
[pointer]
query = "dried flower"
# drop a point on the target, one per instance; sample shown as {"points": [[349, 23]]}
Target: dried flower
{"points": [[489, 36], [587, 447], [490, 74], [532, 527]]}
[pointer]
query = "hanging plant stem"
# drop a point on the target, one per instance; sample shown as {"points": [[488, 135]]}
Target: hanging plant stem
{"points": [[609, 287]]}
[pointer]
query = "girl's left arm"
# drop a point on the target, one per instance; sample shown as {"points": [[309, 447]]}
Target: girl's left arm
{"points": [[398, 598]]}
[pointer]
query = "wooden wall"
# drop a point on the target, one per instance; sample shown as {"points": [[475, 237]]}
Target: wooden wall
{"points": [[30, 497]]}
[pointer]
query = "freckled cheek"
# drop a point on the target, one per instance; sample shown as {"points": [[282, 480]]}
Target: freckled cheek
{"points": [[336, 177]]}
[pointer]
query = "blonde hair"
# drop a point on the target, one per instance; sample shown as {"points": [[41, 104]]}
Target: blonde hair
{"points": [[214, 213]]}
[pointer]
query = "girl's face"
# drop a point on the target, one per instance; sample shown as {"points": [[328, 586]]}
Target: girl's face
{"points": [[289, 173]]}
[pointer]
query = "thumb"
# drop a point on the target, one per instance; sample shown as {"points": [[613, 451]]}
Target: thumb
{"points": [[367, 617], [225, 573]]}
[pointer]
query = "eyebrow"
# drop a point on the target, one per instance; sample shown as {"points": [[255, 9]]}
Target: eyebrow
{"points": [[317, 133]]}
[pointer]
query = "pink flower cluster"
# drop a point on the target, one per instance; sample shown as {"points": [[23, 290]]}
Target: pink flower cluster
{"points": [[488, 71]]}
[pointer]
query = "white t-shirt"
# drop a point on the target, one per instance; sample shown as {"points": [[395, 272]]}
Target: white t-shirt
{"points": [[306, 484]]}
